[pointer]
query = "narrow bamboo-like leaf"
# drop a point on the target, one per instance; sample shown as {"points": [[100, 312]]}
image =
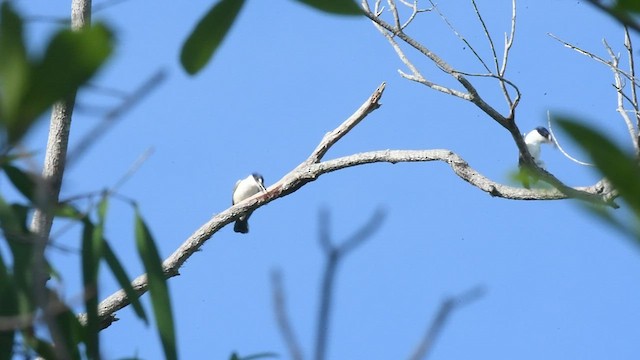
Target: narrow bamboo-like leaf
{"points": [[8, 307], [628, 5], [41, 347], [66, 210], [616, 165], [23, 182], [338, 7], [14, 67], [91, 250], [265, 355], [70, 328], [123, 280], [208, 34], [21, 246], [157, 286], [6, 344]]}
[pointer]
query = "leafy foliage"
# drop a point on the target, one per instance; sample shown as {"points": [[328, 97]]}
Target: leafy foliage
{"points": [[208, 35], [619, 167]]}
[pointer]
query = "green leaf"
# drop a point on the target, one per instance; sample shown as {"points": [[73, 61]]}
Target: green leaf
{"points": [[23, 181], [41, 347], [628, 5], [123, 280], [620, 168], [338, 7], [91, 250], [8, 307], [14, 67], [66, 210], [157, 286], [208, 34], [69, 327], [70, 60]]}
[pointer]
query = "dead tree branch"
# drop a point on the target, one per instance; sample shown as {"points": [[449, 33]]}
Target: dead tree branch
{"points": [[312, 168]]}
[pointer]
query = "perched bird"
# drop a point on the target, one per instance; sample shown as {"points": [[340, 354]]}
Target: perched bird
{"points": [[244, 189], [534, 139]]}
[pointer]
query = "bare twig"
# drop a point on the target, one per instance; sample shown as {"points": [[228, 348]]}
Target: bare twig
{"points": [[595, 57], [462, 38], [334, 255], [444, 313], [634, 94], [281, 317], [557, 144]]}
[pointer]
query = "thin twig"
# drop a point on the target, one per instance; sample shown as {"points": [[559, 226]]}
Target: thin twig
{"points": [[487, 35], [462, 38], [594, 57], [634, 94], [557, 144]]}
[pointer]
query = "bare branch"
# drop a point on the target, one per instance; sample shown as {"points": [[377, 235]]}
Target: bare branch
{"points": [[332, 137], [596, 58], [557, 144], [311, 169], [472, 95], [444, 313], [462, 38], [488, 35], [52, 174], [634, 94], [335, 254], [279, 304], [621, 96]]}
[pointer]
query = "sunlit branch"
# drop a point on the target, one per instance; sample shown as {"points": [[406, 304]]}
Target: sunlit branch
{"points": [[313, 167]]}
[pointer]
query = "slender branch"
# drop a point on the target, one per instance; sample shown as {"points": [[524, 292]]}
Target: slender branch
{"points": [[462, 38], [634, 94], [596, 58], [311, 169], [557, 144], [334, 255], [52, 174], [487, 35], [447, 307], [621, 96], [282, 319]]}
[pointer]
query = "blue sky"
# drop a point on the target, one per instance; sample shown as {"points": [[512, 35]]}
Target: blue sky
{"points": [[559, 284]]}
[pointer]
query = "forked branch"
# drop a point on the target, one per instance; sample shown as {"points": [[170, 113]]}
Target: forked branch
{"points": [[313, 167]]}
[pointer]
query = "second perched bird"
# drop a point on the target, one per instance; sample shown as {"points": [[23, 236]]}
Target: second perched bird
{"points": [[534, 139], [243, 190]]}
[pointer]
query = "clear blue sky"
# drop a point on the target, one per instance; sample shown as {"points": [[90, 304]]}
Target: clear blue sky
{"points": [[560, 285]]}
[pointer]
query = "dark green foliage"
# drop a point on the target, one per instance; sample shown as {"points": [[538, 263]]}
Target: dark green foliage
{"points": [[338, 7], [157, 286], [208, 34]]}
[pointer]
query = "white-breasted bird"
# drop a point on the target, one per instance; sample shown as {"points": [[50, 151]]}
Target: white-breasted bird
{"points": [[533, 139], [244, 189]]}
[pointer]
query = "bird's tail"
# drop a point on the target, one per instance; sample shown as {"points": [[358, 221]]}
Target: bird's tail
{"points": [[241, 226]]}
